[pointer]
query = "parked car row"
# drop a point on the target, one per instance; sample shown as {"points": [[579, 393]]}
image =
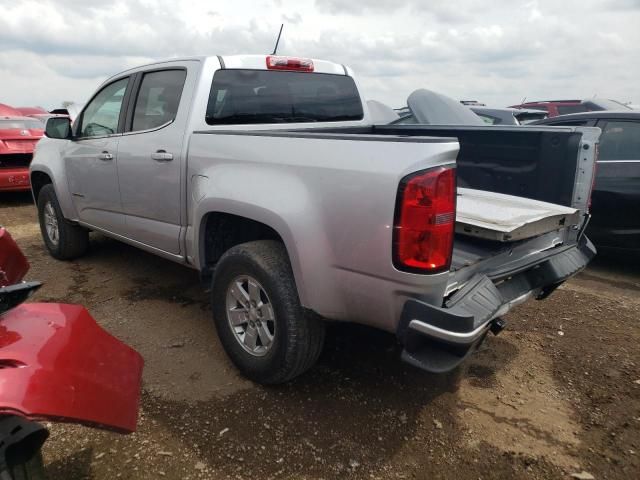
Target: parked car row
{"points": [[18, 137], [20, 130], [615, 224], [554, 108]]}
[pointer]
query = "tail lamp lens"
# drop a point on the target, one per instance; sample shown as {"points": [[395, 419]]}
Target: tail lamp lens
{"points": [[425, 221]]}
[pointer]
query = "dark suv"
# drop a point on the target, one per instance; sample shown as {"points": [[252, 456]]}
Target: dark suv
{"points": [[615, 202], [566, 107]]}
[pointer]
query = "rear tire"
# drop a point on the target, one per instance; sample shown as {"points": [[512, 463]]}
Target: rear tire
{"points": [[33, 469], [63, 239], [293, 339]]}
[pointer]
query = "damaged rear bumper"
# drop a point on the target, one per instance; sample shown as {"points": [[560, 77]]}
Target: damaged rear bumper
{"points": [[439, 339]]}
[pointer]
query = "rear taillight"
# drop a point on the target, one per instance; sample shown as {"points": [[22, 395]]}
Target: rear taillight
{"points": [[289, 63], [425, 221]]}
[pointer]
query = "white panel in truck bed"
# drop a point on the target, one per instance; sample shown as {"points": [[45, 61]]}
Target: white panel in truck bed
{"points": [[506, 218]]}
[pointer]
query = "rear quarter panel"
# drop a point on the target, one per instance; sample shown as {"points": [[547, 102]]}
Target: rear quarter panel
{"points": [[331, 200]]}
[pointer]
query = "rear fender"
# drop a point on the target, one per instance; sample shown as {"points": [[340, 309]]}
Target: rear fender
{"points": [[57, 363]]}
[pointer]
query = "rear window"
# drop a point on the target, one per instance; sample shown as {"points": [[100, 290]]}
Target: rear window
{"points": [[525, 118], [262, 96], [488, 119], [566, 109], [542, 108]]}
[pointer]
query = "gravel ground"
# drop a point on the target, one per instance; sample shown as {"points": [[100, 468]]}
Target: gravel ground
{"points": [[555, 395]]}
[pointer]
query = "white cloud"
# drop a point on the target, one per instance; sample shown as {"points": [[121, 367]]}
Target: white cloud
{"points": [[496, 51]]}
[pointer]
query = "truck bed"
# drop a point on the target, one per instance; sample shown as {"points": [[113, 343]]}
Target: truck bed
{"points": [[540, 163], [550, 165]]}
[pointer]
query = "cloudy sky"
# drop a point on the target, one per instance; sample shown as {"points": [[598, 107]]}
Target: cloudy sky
{"points": [[496, 51]]}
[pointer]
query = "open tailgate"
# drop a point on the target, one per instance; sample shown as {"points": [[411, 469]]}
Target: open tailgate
{"points": [[506, 218]]}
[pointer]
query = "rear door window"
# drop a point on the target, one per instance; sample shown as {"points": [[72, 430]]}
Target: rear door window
{"points": [[619, 141], [158, 99], [262, 96]]}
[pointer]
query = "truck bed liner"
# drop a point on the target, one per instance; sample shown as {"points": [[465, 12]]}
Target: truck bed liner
{"points": [[507, 218]]}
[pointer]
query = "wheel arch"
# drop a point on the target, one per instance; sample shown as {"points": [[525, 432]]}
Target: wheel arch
{"points": [[40, 176], [38, 180], [221, 229]]}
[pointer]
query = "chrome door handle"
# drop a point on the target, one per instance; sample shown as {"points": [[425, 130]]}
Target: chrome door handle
{"points": [[162, 156], [106, 156]]}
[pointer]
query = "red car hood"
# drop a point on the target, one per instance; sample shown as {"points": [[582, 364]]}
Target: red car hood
{"points": [[57, 363]]}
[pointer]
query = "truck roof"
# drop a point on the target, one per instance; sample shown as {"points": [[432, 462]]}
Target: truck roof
{"points": [[253, 62]]}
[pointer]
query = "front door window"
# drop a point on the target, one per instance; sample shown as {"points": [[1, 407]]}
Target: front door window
{"points": [[102, 115]]}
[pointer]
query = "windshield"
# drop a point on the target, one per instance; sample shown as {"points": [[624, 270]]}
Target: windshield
{"points": [[21, 125], [262, 96]]}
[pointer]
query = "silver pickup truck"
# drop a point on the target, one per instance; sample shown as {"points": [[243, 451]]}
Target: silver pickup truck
{"points": [[267, 176]]}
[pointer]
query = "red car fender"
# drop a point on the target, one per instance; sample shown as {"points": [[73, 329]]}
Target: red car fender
{"points": [[57, 363]]}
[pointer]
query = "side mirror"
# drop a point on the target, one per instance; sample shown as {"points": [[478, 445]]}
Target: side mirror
{"points": [[58, 127]]}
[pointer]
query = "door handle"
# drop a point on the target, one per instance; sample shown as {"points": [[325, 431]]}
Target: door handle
{"points": [[162, 156], [106, 156]]}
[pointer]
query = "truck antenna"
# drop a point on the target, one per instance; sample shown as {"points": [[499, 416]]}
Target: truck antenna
{"points": [[275, 49]]}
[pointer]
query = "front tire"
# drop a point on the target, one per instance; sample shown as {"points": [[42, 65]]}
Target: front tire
{"points": [[263, 328], [63, 239]]}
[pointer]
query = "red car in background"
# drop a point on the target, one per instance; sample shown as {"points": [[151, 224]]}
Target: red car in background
{"points": [[18, 138], [555, 108], [7, 111], [34, 112]]}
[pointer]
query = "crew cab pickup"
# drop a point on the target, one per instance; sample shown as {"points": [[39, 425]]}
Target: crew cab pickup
{"points": [[267, 175]]}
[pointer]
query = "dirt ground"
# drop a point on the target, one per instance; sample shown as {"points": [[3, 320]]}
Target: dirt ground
{"points": [[556, 394]]}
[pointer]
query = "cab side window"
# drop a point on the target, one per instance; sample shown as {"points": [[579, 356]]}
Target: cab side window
{"points": [[620, 141], [158, 99], [102, 114]]}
